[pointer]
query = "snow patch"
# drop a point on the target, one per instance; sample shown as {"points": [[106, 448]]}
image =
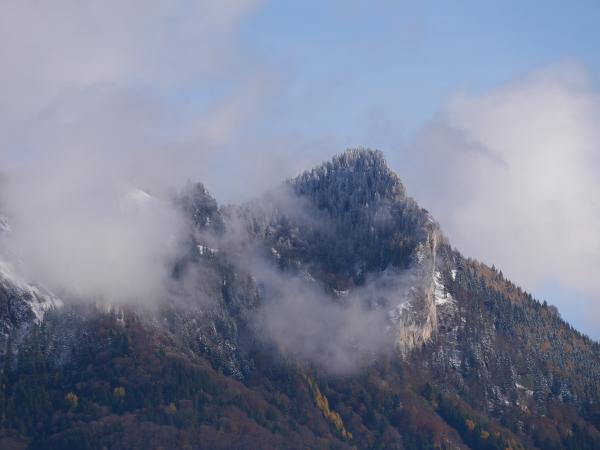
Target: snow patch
{"points": [[39, 299], [341, 292], [420, 253], [209, 251], [135, 200], [308, 277], [41, 305], [528, 392], [440, 293]]}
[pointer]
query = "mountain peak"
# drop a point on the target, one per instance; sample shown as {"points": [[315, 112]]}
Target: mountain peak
{"points": [[361, 157], [360, 173], [289, 330], [362, 160], [366, 222]]}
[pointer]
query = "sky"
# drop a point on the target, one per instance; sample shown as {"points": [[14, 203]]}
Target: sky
{"points": [[488, 111]]}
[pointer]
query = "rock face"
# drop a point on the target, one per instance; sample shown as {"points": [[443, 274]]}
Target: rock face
{"points": [[338, 264], [22, 305]]}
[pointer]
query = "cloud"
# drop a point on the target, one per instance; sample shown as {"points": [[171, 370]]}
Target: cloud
{"points": [[69, 45], [79, 228], [172, 81], [91, 122], [339, 335], [514, 175]]}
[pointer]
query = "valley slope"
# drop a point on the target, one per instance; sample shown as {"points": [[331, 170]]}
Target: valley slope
{"points": [[330, 312]]}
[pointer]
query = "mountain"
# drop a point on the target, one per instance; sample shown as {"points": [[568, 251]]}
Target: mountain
{"points": [[330, 312]]}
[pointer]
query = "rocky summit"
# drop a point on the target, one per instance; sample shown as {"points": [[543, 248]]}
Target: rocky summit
{"points": [[330, 312]]}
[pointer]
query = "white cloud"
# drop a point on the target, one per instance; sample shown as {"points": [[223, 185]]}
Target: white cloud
{"points": [[86, 118], [514, 176], [48, 48]]}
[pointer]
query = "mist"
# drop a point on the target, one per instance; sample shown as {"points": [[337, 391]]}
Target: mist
{"points": [[94, 139], [340, 332], [340, 335]]}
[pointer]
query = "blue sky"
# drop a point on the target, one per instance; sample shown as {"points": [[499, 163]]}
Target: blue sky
{"points": [[401, 60]]}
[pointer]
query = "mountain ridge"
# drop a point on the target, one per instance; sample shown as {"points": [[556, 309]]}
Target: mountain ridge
{"points": [[434, 349]]}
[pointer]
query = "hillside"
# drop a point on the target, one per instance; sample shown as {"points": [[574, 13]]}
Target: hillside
{"points": [[330, 312]]}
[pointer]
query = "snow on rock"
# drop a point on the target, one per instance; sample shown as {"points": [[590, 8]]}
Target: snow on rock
{"points": [[528, 392], [138, 196], [41, 305], [208, 251], [441, 294], [420, 253], [341, 292], [34, 295], [135, 200], [39, 299], [308, 277]]}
